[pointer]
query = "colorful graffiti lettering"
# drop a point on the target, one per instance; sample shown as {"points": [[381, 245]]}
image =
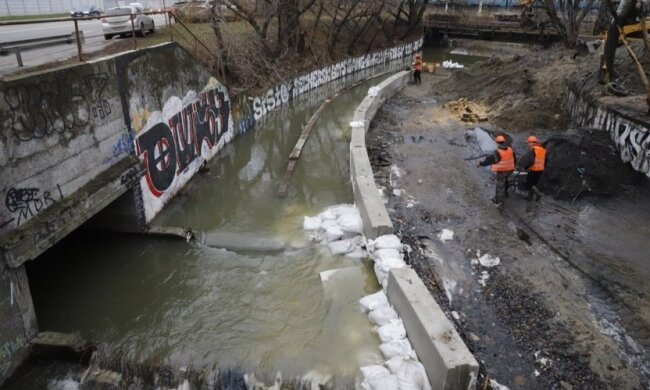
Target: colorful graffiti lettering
{"points": [[166, 149]]}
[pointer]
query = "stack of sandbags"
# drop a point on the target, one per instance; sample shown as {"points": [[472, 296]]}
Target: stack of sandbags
{"points": [[386, 252], [402, 370], [340, 228]]}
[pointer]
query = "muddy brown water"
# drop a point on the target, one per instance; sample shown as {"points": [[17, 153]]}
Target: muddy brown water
{"points": [[165, 302]]}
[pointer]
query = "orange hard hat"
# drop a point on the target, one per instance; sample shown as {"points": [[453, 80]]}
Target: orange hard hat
{"points": [[500, 139], [532, 139]]}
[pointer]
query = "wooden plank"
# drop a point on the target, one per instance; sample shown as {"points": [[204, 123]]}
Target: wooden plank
{"points": [[306, 130], [286, 178], [304, 135]]}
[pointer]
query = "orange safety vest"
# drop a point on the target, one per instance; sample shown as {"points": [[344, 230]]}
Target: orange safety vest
{"points": [[540, 158], [418, 65], [507, 161]]}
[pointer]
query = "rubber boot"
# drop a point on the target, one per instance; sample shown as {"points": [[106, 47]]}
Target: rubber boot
{"points": [[537, 193]]}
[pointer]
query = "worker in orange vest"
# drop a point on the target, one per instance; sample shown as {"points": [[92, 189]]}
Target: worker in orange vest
{"points": [[503, 164], [533, 161], [417, 66]]}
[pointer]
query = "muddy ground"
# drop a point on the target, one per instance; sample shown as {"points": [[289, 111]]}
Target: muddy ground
{"points": [[567, 306]]}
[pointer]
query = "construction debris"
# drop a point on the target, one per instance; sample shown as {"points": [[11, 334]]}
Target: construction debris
{"points": [[467, 111]]}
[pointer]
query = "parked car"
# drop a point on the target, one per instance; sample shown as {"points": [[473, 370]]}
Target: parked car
{"points": [[194, 11], [117, 21], [174, 7], [85, 12]]}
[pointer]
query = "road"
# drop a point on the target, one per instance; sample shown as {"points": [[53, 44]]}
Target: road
{"points": [[92, 31]]}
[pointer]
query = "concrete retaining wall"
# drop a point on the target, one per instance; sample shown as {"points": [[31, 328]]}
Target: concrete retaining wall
{"points": [[448, 362], [366, 194], [625, 119]]}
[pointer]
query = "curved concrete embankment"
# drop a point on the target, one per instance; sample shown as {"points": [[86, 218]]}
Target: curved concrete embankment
{"points": [[448, 362]]}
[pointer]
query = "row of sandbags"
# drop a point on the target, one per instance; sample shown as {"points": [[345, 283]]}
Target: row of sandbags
{"points": [[340, 228]]}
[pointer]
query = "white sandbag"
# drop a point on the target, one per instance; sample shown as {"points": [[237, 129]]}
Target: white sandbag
{"points": [[328, 223], [390, 263], [341, 247], [357, 253], [327, 215], [382, 315], [395, 364], [351, 223], [381, 274], [392, 331], [372, 372], [388, 241], [373, 301], [388, 382], [333, 233], [383, 255], [311, 223], [410, 373], [373, 91], [343, 209], [400, 348]]}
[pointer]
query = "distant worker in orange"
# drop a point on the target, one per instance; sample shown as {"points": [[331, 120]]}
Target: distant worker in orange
{"points": [[503, 164], [417, 66], [534, 162]]}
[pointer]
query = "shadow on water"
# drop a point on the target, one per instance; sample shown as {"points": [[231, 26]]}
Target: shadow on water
{"points": [[152, 302]]}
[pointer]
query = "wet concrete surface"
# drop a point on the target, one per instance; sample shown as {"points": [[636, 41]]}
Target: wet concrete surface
{"points": [[543, 317]]}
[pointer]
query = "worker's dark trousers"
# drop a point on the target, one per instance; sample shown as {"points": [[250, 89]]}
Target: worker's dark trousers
{"points": [[501, 187], [417, 77], [531, 182]]}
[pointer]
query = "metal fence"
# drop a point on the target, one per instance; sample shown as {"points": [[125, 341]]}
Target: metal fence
{"points": [[45, 7]]}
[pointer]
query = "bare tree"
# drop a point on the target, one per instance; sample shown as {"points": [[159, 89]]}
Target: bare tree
{"points": [[408, 16], [283, 16], [567, 16]]}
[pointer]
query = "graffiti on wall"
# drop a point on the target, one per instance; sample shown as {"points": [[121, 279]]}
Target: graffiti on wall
{"points": [[632, 139], [172, 143], [24, 203], [68, 103], [175, 141], [282, 93]]}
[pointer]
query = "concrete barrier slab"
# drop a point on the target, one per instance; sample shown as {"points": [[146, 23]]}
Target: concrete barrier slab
{"points": [[360, 163], [376, 221], [448, 362], [358, 137]]}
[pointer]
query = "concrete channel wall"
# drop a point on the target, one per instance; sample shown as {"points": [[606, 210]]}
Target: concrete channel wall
{"points": [[448, 362], [624, 119]]}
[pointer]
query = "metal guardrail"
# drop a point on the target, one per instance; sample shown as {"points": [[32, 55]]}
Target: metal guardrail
{"points": [[76, 36], [172, 22], [18, 46]]}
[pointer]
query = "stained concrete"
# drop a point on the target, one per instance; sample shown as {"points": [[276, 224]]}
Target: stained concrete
{"points": [[448, 362]]}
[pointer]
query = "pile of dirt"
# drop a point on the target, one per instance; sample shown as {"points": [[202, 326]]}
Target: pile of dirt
{"points": [[521, 93], [585, 163], [467, 111]]}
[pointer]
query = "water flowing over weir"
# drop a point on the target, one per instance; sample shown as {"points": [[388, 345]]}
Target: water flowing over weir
{"points": [[162, 302]]}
